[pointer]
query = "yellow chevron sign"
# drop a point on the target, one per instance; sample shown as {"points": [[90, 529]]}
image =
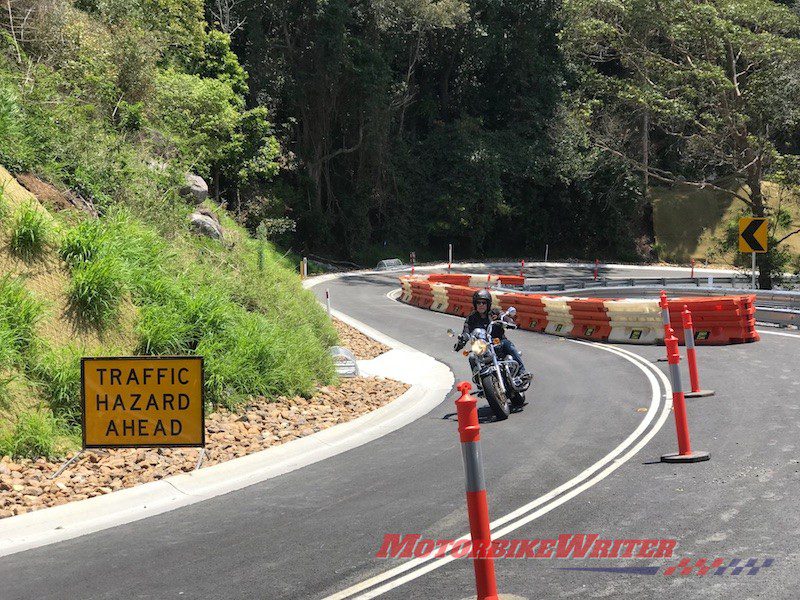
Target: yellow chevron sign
{"points": [[753, 234]]}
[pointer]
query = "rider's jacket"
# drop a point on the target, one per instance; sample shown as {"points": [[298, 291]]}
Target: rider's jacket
{"points": [[475, 320]]}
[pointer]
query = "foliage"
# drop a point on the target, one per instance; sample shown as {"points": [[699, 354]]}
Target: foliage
{"points": [[96, 289], [34, 435], [218, 61], [19, 312], [30, 231], [83, 243], [199, 114], [58, 372], [703, 94]]}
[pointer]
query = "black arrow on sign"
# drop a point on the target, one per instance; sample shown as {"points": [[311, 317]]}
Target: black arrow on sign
{"points": [[748, 235]]}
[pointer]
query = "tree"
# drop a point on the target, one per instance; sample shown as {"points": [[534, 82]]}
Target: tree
{"points": [[694, 93]]}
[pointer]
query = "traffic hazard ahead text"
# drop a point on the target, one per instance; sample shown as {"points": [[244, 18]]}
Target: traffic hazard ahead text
{"points": [[148, 401]]}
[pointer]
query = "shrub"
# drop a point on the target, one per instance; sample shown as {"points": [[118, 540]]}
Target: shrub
{"points": [[34, 434], [256, 356], [82, 243], [162, 330], [19, 311], [30, 232], [96, 289], [59, 376]]}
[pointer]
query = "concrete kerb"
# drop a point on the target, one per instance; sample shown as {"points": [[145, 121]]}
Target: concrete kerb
{"points": [[430, 382]]}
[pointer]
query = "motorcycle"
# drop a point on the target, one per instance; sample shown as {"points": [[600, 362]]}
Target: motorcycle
{"points": [[497, 379]]}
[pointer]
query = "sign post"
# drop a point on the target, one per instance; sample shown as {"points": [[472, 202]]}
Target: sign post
{"points": [[753, 238], [142, 402], [449, 257]]}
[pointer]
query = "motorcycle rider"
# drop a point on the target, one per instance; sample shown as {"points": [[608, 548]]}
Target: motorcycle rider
{"points": [[480, 318]]}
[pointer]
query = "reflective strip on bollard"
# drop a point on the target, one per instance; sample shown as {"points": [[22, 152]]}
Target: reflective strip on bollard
{"points": [[473, 466], [688, 336]]}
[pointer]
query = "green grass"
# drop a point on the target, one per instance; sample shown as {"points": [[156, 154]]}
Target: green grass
{"points": [[19, 311], [30, 232], [241, 306], [8, 360], [97, 288], [3, 206], [83, 243], [58, 373], [34, 435]]}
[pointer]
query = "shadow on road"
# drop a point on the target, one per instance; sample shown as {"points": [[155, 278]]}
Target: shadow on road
{"points": [[485, 415]]}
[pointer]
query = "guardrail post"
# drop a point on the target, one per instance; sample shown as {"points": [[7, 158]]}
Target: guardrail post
{"points": [[684, 453], [691, 356], [328, 301], [477, 508]]}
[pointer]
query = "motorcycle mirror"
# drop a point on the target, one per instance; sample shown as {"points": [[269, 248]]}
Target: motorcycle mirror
{"points": [[511, 312], [451, 333]]}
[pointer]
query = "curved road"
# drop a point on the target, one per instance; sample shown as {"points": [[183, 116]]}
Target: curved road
{"points": [[594, 423]]}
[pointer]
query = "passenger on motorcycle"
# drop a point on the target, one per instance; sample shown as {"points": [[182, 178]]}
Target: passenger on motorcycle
{"points": [[480, 318]]}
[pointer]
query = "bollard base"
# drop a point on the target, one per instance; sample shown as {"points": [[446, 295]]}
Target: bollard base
{"points": [[698, 394], [692, 457]]}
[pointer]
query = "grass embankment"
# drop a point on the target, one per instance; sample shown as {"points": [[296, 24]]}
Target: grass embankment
{"points": [[74, 287], [690, 222]]}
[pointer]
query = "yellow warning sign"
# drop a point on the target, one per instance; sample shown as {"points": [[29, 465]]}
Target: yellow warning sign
{"points": [[142, 401], [753, 234]]}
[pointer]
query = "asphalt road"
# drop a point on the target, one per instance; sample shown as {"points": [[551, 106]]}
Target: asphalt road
{"points": [[315, 532]]}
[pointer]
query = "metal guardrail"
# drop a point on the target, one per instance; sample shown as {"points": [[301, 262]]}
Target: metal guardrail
{"points": [[390, 264], [604, 282], [779, 307]]}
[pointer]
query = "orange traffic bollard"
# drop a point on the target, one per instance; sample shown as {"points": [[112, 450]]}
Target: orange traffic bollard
{"points": [[684, 453], [522, 268], [596, 262], [477, 506], [664, 304], [691, 356]]}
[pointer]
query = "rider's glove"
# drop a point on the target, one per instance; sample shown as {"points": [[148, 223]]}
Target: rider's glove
{"points": [[460, 343]]}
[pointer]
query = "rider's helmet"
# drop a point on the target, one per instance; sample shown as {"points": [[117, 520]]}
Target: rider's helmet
{"points": [[482, 295]]}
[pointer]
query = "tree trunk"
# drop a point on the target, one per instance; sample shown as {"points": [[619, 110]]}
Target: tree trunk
{"points": [[648, 229]]}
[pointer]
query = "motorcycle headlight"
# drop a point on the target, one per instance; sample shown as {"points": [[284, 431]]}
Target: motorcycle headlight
{"points": [[479, 347]]}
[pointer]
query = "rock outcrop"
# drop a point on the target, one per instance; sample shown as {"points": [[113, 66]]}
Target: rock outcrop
{"points": [[195, 190]]}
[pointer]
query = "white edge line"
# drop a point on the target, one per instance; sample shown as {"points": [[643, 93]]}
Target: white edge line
{"points": [[640, 363]]}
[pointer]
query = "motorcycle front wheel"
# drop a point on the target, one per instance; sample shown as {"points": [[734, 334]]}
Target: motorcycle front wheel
{"points": [[495, 397]]}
